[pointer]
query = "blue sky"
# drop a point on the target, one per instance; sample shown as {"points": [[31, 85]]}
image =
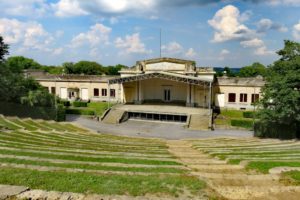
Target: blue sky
{"points": [[214, 33]]}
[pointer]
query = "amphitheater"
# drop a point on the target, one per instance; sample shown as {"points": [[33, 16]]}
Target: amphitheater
{"points": [[232, 168]]}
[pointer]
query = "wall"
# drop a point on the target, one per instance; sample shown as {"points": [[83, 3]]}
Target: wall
{"points": [[237, 90]]}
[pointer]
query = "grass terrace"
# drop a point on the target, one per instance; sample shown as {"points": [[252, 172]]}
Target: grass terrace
{"points": [[260, 155], [63, 157]]}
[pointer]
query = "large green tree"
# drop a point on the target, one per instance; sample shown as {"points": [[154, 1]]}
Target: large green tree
{"points": [[281, 94], [253, 70], [19, 63], [3, 49]]}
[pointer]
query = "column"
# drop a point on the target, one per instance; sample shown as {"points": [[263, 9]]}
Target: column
{"points": [[192, 95], [140, 92], [188, 96]]}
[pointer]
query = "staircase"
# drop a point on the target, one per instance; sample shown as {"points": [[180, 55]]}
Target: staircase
{"points": [[199, 122], [114, 116], [231, 182]]}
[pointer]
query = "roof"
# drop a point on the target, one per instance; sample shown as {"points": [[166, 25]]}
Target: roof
{"points": [[72, 77], [239, 81], [164, 75], [166, 59]]}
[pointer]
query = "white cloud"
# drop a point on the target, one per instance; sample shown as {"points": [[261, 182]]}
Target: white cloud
{"points": [[252, 43], [296, 31], [113, 20], [30, 35], [30, 8], [95, 36], [68, 8], [223, 54], [266, 24], [131, 44], [263, 51], [58, 51], [228, 26], [172, 48], [284, 2], [191, 53]]}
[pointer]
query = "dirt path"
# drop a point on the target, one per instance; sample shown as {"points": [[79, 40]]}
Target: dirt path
{"points": [[231, 181]]}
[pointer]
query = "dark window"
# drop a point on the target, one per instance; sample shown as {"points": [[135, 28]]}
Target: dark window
{"points": [[96, 92], [243, 97], [231, 97], [112, 92], [254, 98], [104, 92], [53, 90]]}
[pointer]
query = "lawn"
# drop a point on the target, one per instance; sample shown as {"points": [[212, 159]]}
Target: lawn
{"points": [[63, 157], [93, 108]]}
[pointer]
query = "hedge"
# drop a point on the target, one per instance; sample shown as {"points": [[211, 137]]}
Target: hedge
{"points": [[80, 112], [23, 111], [80, 104], [248, 114], [65, 103], [275, 130], [242, 123]]}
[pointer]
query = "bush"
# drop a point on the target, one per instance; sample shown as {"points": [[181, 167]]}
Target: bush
{"points": [[274, 130], [80, 104], [65, 103], [242, 123], [80, 112], [60, 113], [248, 114]]}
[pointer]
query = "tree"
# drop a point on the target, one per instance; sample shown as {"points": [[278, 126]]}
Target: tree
{"points": [[84, 67], [253, 70], [3, 49], [281, 93], [114, 70], [18, 63]]}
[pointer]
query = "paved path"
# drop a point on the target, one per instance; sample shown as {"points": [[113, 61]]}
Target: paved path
{"points": [[171, 131]]}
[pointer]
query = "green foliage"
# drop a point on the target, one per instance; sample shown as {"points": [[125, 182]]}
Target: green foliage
{"points": [[248, 114], [60, 113], [53, 69], [265, 166], [80, 104], [79, 111], [38, 98], [114, 70], [281, 94], [242, 123], [66, 103], [17, 64], [3, 49], [84, 67], [232, 113], [268, 129], [253, 70]]}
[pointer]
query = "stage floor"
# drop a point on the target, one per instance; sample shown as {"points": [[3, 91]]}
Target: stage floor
{"points": [[164, 109]]}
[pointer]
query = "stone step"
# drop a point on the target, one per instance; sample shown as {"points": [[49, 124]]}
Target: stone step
{"points": [[255, 192], [199, 122], [204, 167], [114, 116], [237, 176]]}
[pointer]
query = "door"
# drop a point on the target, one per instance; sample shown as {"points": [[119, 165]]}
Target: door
{"points": [[85, 94], [63, 93], [167, 95]]}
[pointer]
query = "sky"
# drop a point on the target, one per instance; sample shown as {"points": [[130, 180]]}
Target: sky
{"points": [[214, 33]]}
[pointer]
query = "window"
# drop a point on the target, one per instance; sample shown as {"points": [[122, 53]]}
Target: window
{"points": [[53, 90], [254, 98], [231, 97], [96, 92], [112, 92], [243, 97], [104, 92]]}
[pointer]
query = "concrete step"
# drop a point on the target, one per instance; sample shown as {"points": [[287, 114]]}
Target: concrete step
{"points": [[199, 122], [114, 116]]}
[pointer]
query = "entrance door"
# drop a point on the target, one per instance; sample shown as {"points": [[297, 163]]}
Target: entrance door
{"points": [[85, 94], [167, 95]]}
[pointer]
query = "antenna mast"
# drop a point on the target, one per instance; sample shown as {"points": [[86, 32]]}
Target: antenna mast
{"points": [[160, 42]]}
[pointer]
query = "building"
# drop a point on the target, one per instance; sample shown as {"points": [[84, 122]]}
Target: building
{"points": [[162, 89]]}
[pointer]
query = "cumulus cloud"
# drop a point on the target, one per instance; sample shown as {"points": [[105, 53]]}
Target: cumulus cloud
{"points": [[191, 53], [252, 43], [172, 48], [227, 25], [296, 31], [223, 54], [96, 35], [29, 35], [131, 44], [266, 24], [33, 8]]}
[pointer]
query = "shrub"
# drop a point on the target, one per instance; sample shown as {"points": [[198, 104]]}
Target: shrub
{"points": [[80, 112], [65, 103], [60, 113], [266, 129], [248, 114], [80, 104], [242, 123]]}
